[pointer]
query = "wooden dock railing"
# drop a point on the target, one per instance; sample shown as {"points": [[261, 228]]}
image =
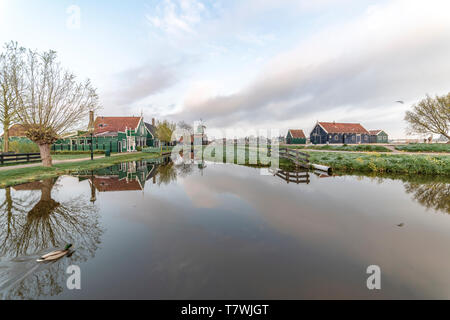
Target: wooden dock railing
{"points": [[300, 159], [298, 176]]}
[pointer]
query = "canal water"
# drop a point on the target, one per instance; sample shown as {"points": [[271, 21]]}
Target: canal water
{"points": [[221, 231]]}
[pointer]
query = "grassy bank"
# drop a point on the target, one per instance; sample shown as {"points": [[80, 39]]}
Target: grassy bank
{"points": [[424, 147], [384, 163], [360, 148], [372, 163], [18, 176]]}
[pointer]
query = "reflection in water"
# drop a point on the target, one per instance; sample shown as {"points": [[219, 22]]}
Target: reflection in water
{"points": [[297, 176], [36, 226], [218, 225], [434, 195]]}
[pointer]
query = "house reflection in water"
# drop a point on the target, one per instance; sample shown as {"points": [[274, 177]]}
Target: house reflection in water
{"points": [[130, 176]]}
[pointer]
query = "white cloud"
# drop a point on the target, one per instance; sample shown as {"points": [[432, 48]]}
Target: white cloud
{"points": [[395, 51], [177, 17]]}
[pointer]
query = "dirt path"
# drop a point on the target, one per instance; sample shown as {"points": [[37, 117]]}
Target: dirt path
{"points": [[38, 164]]}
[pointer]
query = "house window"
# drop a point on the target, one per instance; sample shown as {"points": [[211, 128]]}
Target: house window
{"points": [[365, 138], [336, 137], [353, 138]]}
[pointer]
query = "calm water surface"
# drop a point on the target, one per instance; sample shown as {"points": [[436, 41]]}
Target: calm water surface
{"points": [[220, 231]]}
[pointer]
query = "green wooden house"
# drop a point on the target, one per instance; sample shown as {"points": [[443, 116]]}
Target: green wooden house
{"points": [[152, 140], [295, 137], [117, 134], [378, 136]]}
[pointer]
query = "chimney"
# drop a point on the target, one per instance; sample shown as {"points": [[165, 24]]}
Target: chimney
{"points": [[91, 121], [153, 122]]}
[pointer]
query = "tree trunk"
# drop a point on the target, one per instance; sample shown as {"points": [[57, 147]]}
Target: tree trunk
{"points": [[6, 139], [45, 155]]}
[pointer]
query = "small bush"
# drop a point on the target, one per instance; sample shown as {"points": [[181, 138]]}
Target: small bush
{"points": [[21, 146]]}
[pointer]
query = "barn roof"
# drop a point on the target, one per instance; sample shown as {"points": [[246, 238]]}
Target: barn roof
{"points": [[115, 124], [335, 127], [297, 134], [375, 132], [151, 128], [16, 130]]}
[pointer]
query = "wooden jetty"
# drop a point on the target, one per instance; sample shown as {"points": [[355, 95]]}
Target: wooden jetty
{"points": [[300, 159], [298, 176]]}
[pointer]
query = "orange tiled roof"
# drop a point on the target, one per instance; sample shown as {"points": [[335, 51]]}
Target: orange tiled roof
{"points": [[115, 124], [375, 132], [334, 127], [36, 185], [16, 130], [297, 134]]}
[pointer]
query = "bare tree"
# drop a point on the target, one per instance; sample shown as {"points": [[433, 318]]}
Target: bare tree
{"points": [[185, 126], [430, 116], [53, 101], [10, 82]]}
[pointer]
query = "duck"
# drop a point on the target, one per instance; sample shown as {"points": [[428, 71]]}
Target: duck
{"points": [[55, 255]]}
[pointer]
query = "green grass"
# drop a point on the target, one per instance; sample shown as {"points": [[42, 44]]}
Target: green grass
{"points": [[384, 163], [424, 147], [72, 156], [19, 176], [359, 147], [368, 163]]}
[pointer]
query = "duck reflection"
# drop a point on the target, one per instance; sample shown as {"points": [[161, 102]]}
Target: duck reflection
{"points": [[33, 223]]}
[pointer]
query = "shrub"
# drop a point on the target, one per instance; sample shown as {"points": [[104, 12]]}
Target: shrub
{"points": [[22, 146]]}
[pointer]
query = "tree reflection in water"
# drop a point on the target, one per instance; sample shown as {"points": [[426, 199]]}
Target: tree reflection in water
{"points": [[433, 195], [33, 225], [166, 174]]}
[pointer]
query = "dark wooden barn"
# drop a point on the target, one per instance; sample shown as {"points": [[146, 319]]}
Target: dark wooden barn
{"points": [[339, 133]]}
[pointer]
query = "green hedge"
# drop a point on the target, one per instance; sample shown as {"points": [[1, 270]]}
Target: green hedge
{"points": [[423, 147], [21, 146]]}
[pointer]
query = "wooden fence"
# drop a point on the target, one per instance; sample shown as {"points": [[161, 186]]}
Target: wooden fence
{"points": [[300, 159], [301, 176], [8, 158]]}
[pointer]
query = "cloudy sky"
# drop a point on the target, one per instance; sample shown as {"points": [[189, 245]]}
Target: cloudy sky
{"points": [[247, 63]]}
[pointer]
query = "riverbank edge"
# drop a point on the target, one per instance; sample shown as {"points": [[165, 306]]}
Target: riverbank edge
{"points": [[367, 162], [14, 177]]}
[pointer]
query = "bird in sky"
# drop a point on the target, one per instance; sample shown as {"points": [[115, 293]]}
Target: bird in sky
{"points": [[400, 101]]}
